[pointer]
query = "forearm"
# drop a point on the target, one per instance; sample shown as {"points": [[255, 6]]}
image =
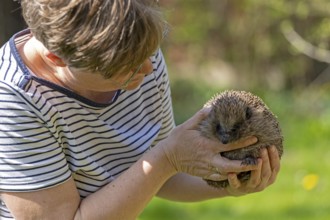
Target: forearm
{"points": [[127, 196], [186, 188]]}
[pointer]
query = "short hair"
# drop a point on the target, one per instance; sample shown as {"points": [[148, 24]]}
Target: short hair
{"points": [[104, 36]]}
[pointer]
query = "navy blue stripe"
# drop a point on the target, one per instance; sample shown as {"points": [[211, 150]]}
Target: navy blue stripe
{"points": [[27, 143], [59, 177], [34, 168], [112, 137], [111, 143], [124, 107], [3, 56], [134, 109]]}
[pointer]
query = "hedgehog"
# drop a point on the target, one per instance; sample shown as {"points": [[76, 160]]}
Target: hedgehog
{"points": [[235, 115]]}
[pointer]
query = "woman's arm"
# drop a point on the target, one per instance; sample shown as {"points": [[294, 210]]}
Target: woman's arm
{"points": [[124, 198]]}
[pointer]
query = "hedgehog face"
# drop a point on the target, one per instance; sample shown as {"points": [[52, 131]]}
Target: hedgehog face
{"points": [[230, 121]]}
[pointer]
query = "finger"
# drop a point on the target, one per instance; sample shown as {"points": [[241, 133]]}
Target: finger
{"points": [[216, 177], [197, 118], [234, 181], [266, 170], [231, 166], [244, 142], [255, 177], [274, 160]]}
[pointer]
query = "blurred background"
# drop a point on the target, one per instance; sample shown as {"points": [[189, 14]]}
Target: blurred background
{"points": [[277, 49], [11, 19]]}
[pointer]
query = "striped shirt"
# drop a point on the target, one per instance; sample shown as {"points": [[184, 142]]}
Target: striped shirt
{"points": [[48, 133]]}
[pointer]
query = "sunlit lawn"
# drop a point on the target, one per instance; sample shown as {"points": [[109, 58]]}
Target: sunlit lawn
{"points": [[302, 190]]}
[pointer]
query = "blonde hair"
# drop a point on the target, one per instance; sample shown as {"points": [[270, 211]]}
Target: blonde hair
{"points": [[104, 36]]}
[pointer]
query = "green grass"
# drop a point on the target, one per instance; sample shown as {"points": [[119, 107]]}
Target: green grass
{"points": [[306, 128]]}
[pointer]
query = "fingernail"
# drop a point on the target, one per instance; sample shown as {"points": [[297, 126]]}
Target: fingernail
{"points": [[230, 175], [207, 109], [273, 149], [253, 139], [204, 112]]}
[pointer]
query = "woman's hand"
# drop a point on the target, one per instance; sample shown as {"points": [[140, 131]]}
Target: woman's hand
{"points": [[189, 152], [265, 175]]}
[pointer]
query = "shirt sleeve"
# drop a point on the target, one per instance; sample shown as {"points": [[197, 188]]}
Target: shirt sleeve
{"points": [[31, 157]]}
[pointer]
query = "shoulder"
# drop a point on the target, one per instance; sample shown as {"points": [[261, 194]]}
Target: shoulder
{"points": [[159, 64], [13, 72], [160, 72]]}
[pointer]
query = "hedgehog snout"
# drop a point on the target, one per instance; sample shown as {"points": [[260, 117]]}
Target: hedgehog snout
{"points": [[222, 134], [224, 138]]}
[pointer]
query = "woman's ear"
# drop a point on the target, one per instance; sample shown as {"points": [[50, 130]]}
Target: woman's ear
{"points": [[54, 59]]}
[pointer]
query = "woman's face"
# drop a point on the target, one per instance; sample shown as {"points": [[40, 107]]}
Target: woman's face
{"points": [[97, 83]]}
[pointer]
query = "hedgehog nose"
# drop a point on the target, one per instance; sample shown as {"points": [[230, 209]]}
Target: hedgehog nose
{"points": [[224, 139]]}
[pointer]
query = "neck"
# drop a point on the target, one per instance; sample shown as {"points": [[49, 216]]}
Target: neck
{"points": [[32, 53]]}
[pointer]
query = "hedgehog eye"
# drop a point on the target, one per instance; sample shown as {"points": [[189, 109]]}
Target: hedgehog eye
{"points": [[236, 127], [218, 128], [248, 113]]}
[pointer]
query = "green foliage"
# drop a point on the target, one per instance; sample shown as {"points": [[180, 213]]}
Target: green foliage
{"points": [[249, 36], [188, 97]]}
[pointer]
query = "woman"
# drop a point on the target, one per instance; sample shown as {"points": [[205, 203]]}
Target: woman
{"points": [[86, 121]]}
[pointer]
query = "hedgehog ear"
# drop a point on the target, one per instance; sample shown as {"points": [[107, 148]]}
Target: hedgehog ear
{"points": [[248, 113]]}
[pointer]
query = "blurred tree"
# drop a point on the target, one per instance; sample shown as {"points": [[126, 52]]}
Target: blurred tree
{"points": [[11, 19], [253, 37]]}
